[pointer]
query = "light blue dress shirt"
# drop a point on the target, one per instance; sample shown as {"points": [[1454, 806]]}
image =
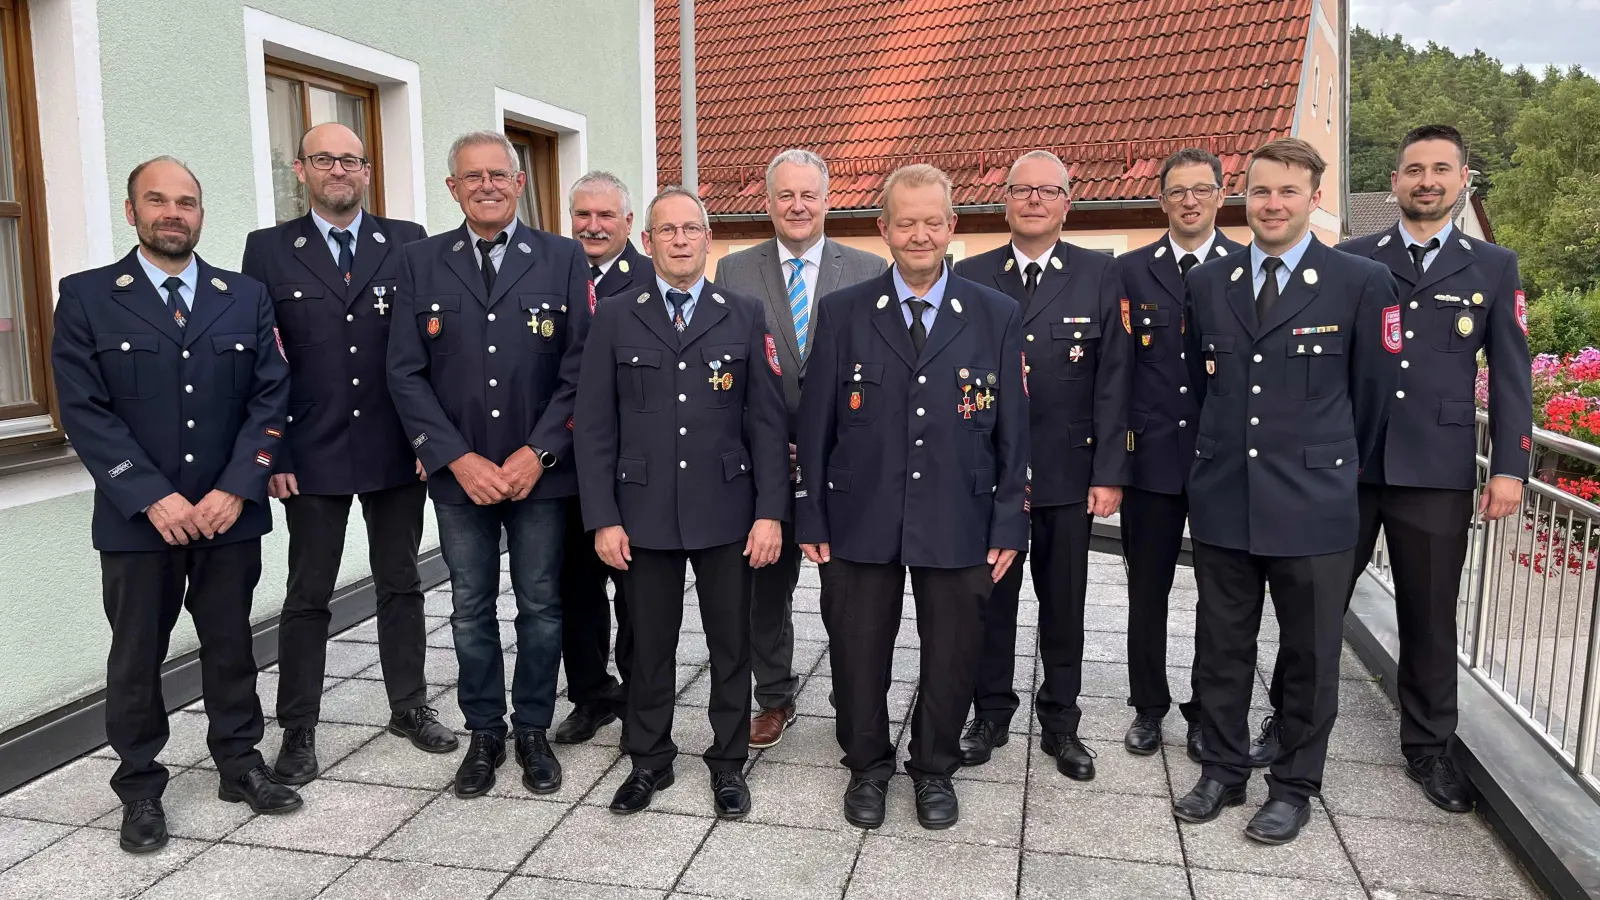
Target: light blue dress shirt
{"points": [[497, 254], [694, 297], [190, 276], [326, 227], [1431, 255], [1291, 262], [934, 297]]}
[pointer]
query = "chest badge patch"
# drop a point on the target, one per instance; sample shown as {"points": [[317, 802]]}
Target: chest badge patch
{"points": [[1211, 367], [1391, 329], [1464, 324], [1145, 339], [856, 400], [1076, 353], [435, 326]]}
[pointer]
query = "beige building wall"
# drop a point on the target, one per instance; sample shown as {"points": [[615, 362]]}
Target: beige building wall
{"points": [[1319, 116]]}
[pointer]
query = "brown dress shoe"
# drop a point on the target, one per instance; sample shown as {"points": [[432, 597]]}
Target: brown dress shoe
{"points": [[768, 726]]}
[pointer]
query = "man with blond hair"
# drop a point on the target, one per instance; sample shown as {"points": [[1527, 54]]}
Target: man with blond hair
{"points": [[789, 273], [913, 442]]}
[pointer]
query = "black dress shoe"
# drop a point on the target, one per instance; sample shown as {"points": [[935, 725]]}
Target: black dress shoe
{"points": [[1277, 822], [144, 826], [1144, 735], [1073, 759], [475, 776], [1194, 742], [979, 741], [864, 801], [1206, 800], [1442, 781], [936, 803], [541, 771], [421, 727], [1268, 745], [257, 788], [642, 784], [731, 793], [297, 757], [585, 719]]}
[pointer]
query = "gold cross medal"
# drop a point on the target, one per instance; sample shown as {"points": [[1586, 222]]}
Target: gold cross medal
{"points": [[720, 381], [533, 321]]}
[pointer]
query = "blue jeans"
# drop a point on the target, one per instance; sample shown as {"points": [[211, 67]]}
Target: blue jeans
{"points": [[469, 537]]}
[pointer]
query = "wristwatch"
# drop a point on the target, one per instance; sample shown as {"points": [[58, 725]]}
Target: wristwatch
{"points": [[546, 458]]}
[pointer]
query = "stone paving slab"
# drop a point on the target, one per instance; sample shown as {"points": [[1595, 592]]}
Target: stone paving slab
{"points": [[383, 823]]}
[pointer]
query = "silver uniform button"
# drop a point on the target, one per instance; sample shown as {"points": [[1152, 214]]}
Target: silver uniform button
{"points": [[1338, 462], [1413, 304], [352, 349], [185, 354], [356, 413], [830, 485], [636, 359], [126, 346], [491, 317], [436, 307], [1400, 394], [190, 423], [919, 442], [1030, 337], [683, 431], [1258, 357], [289, 419], [491, 348], [495, 413], [1405, 363], [916, 476], [1316, 348], [1252, 453], [1183, 389], [1255, 389], [349, 318], [1408, 335], [297, 295], [1254, 421], [921, 379], [683, 398], [682, 366], [356, 382], [921, 411], [683, 464], [188, 457], [1182, 424], [1183, 356], [493, 383], [188, 389]]}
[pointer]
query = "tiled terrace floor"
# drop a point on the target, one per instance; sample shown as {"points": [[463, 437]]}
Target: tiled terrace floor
{"points": [[381, 822]]}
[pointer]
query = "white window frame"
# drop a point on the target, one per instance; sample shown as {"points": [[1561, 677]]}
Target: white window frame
{"points": [[572, 140], [72, 135], [399, 83]]}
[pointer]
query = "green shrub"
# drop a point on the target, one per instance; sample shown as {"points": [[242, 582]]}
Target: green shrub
{"points": [[1564, 322]]}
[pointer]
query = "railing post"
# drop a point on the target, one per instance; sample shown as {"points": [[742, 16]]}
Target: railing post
{"points": [[1589, 713]]}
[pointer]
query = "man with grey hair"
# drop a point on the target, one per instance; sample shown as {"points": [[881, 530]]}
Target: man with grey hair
{"points": [[789, 274], [602, 218], [1076, 332], [483, 362]]}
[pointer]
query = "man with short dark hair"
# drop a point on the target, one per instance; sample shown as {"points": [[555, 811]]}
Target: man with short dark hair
{"points": [[483, 365], [1290, 340], [1459, 296], [790, 273], [332, 275], [1163, 420], [174, 391]]}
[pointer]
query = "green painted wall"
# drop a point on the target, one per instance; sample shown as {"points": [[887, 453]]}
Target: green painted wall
{"points": [[174, 81]]}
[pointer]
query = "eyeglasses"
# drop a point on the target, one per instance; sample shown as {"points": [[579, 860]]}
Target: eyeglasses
{"points": [[692, 231], [1047, 192], [323, 162], [1200, 191], [474, 180]]}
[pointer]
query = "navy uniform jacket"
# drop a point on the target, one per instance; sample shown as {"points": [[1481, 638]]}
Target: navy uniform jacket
{"points": [[468, 373], [1470, 298], [1293, 406], [911, 467], [1077, 367], [343, 434], [154, 409], [679, 462], [630, 273], [1163, 409]]}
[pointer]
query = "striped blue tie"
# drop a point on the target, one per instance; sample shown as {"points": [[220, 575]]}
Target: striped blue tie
{"points": [[799, 305]]}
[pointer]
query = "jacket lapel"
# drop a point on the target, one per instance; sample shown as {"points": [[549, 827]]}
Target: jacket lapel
{"points": [[1052, 282], [891, 322], [1165, 271], [515, 264], [831, 273], [372, 245], [459, 256], [212, 297], [708, 311], [1009, 279], [947, 323], [1242, 298], [1301, 290], [1453, 257], [1395, 255], [141, 298], [652, 311], [314, 254]]}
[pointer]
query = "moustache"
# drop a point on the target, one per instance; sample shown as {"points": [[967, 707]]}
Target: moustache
{"points": [[587, 235]]}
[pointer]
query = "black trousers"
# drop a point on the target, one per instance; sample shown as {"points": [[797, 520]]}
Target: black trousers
{"points": [[1152, 535], [1060, 568], [316, 543], [772, 626], [586, 621], [861, 606], [655, 584], [143, 593], [1426, 532], [1308, 595]]}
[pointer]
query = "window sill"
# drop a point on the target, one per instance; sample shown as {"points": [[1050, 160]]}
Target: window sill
{"points": [[43, 474]]}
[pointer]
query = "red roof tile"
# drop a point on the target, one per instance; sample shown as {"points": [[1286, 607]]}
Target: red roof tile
{"points": [[1113, 86]]}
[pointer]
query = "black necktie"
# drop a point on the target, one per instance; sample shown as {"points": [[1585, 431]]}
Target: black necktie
{"points": [[919, 331], [1419, 252], [677, 302], [1030, 279], [175, 300], [1269, 287], [347, 255], [594, 274], [1188, 262], [484, 247]]}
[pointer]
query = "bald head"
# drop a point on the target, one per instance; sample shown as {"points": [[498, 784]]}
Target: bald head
{"points": [[333, 139]]}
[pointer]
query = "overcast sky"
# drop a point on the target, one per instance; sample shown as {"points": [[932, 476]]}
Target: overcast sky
{"points": [[1533, 33]]}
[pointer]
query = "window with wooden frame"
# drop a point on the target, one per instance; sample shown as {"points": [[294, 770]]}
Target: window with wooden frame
{"points": [[299, 97], [539, 206], [26, 296]]}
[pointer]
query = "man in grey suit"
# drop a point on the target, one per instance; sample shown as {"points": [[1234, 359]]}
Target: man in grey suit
{"points": [[789, 273]]}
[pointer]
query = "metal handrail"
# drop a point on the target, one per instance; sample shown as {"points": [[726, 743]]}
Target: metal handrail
{"points": [[1528, 608]]}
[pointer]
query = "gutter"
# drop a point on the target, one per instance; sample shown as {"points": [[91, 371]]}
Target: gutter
{"points": [[976, 209]]}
